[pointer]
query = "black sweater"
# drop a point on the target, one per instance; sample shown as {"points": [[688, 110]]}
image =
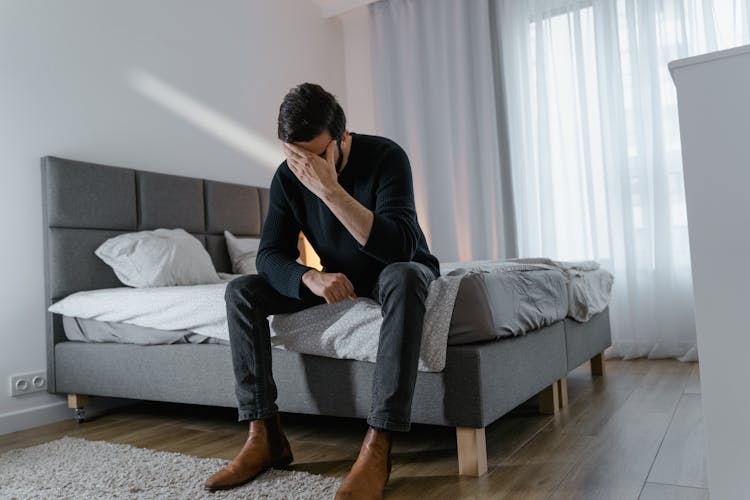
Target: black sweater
{"points": [[378, 175]]}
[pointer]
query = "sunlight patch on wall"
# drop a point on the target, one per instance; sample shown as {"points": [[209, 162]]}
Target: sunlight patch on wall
{"points": [[249, 143], [462, 215]]}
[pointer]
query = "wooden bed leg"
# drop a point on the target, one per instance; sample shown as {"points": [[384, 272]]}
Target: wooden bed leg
{"points": [[597, 365], [562, 389], [77, 402], [549, 401], [472, 451]]}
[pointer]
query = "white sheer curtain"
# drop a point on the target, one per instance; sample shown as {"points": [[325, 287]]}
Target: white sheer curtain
{"points": [[595, 149], [435, 67], [590, 157]]}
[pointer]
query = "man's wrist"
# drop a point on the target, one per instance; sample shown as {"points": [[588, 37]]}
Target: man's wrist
{"points": [[307, 276], [333, 194]]}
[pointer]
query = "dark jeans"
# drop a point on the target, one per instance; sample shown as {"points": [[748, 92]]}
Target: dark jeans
{"points": [[401, 290]]}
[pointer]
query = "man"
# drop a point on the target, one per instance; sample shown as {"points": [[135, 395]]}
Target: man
{"points": [[352, 196]]}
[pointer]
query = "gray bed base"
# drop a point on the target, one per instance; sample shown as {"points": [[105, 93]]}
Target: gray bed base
{"points": [[86, 203]]}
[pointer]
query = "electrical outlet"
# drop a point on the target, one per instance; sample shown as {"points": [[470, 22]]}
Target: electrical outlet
{"points": [[28, 383]]}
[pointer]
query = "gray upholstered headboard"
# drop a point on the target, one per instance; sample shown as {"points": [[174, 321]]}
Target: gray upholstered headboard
{"points": [[86, 203]]}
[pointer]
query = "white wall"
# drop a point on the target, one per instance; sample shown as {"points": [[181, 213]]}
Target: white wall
{"points": [[360, 107], [187, 87]]}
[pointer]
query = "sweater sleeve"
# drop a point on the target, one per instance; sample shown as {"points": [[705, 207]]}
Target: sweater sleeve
{"points": [[276, 260], [394, 236]]}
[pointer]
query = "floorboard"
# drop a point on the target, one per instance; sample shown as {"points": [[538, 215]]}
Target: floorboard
{"points": [[680, 459], [654, 491]]}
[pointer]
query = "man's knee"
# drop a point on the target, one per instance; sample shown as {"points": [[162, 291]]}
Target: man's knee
{"points": [[244, 288], [403, 275]]}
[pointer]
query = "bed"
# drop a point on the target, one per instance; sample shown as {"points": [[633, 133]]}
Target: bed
{"points": [[86, 203]]}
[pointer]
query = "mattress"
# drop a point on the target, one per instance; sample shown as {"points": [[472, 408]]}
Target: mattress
{"points": [[488, 306]]}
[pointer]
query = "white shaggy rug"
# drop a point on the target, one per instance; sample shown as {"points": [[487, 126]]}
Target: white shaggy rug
{"points": [[77, 468]]}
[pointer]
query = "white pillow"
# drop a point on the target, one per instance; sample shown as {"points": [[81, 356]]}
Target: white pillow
{"points": [[242, 253], [161, 257]]}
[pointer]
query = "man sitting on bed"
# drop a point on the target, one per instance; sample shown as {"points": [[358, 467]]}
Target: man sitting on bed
{"points": [[352, 196]]}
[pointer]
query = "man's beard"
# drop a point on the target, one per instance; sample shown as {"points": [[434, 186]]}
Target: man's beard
{"points": [[341, 158]]}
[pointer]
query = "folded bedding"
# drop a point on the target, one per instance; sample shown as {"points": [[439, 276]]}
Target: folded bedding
{"points": [[589, 286], [470, 302]]}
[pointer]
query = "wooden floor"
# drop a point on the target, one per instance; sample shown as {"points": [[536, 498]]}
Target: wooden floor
{"points": [[638, 433]]}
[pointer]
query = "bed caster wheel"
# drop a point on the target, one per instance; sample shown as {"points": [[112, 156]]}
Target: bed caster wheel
{"points": [[79, 414]]}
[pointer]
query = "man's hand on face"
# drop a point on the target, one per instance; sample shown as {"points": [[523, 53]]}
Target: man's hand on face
{"points": [[316, 173], [334, 287]]}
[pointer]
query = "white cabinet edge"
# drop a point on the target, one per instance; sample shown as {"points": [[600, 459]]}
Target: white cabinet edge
{"points": [[711, 56]]}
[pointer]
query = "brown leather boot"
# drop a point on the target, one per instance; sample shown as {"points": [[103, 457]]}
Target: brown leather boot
{"points": [[370, 473], [266, 446]]}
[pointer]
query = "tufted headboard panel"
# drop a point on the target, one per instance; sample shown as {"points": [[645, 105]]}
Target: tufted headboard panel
{"points": [[86, 203]]}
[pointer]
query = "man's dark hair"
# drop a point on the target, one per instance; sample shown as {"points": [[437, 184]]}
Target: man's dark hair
{"points": [[306, 111]]}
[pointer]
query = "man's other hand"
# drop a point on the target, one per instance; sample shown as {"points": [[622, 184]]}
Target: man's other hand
{"points": [[334, 287]]}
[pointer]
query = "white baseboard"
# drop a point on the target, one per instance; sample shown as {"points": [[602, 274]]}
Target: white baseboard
{"points": [[54, 412]]}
